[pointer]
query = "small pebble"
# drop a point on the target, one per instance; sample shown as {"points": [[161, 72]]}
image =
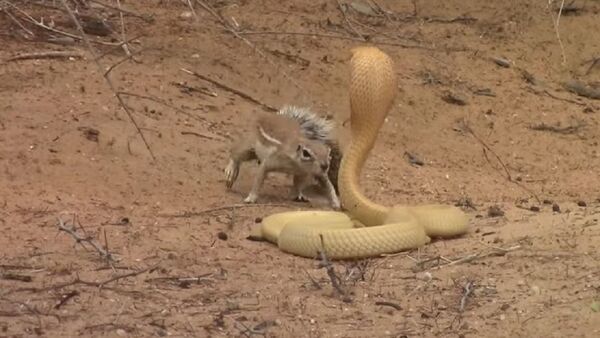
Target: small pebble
{"points": [[581, 204], [222, 236], [455, 98], [121, 332], [186, 15], [534, 208], [501, 62], [555, 207], [495, 211]]}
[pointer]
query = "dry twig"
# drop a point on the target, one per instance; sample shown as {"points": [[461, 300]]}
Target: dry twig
{"points": [[87, 239], [582, 89], [166, 104], [235, 33], [187, 214], [15, 20], [107, 78], [390, 304], [46, 55], [145, 17], [41, 24], [440, 261], [79, 281], [231, 90], [209, 137], [467, 291], [556, 22], [350, 27], [65, 298], [335, 280], [487, 149], [350, 38], [571, 129], [593, 63]]}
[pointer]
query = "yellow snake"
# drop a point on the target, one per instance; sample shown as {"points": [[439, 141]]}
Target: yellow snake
{"points": [[367, 229]]}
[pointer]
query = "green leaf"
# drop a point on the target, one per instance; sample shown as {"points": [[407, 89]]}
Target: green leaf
{"points": [[595, 306]]}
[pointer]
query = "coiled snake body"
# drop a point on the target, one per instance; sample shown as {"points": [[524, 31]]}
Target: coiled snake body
{"points": [[367, 229]]}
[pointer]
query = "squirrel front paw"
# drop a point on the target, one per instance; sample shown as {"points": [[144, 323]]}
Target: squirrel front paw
{"points": [[300, 198], [251, 198], [335, 202], [231, 173]]}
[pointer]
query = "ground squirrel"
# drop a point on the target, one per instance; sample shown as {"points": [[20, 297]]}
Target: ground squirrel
{"points": [[293, 141]]}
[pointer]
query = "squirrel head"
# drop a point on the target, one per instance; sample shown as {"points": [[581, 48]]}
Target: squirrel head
{"points": [[314, 156]]}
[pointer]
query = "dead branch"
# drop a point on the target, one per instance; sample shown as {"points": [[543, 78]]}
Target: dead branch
{"points": [[487, 149], [65, 298], [107, 78], [41, 24], [79, 281], [188, 89], [440, 261], [385, 12], [164, 103], [572, 129], [342, 37], [235, 33], [32, 310], [123, 35], [231, 90], [183, 282], [390, 304], [313, 281], [319, 35], [14, 276], [335, 280], [593, 63], [467, 291], [563, 99], [130, 56], [461, 18], [87, 239], [357, 270], [582, 89], [188, 214], [201, 135], [259, 329], [556, 23], [350, 27], [118, 45], [46, 55], [146, 17], [16, 21]]}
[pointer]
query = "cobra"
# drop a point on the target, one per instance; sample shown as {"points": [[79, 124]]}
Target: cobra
{"points": [[366, 228]]}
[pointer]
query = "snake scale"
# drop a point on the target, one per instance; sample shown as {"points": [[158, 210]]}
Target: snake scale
{"points": [[367, 228]]}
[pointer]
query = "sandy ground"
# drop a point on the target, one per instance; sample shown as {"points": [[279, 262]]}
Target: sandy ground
{"points": [[521, 143]]}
